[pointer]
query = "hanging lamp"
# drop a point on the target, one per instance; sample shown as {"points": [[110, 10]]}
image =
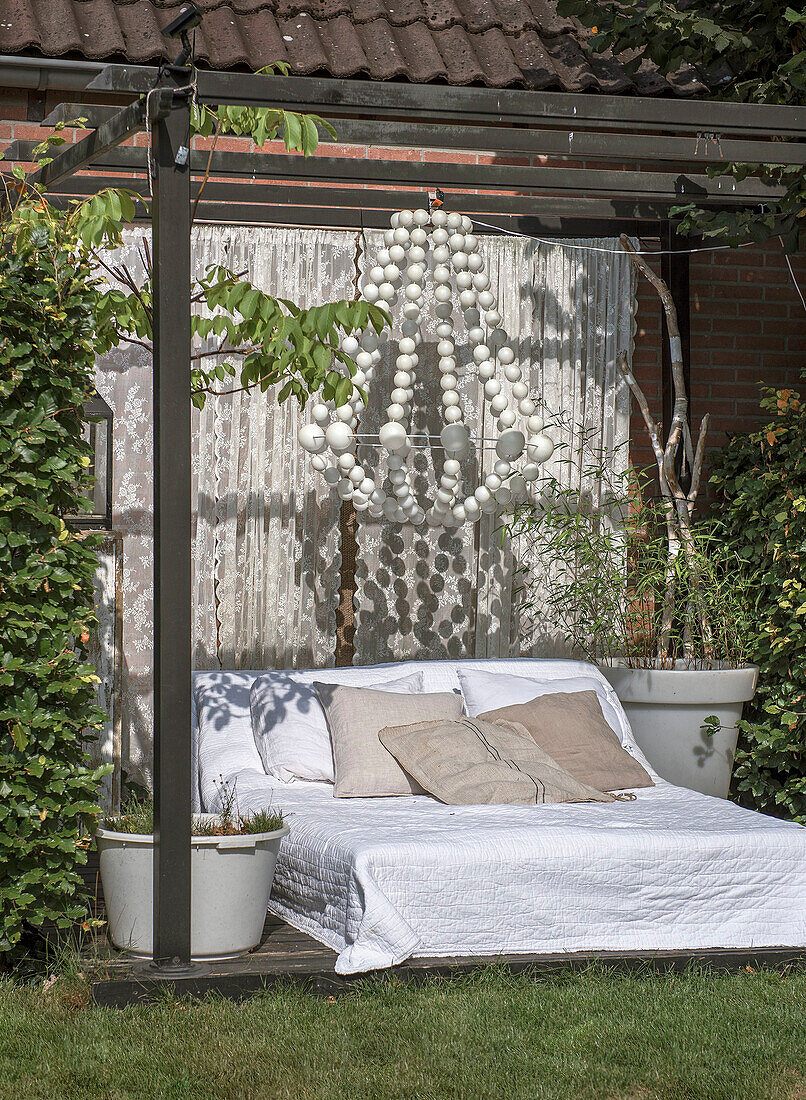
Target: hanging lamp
{"points": [[332, 439]]}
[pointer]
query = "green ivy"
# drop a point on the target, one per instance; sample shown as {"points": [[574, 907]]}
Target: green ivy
{"points": [[47, 690], [762, 481]]}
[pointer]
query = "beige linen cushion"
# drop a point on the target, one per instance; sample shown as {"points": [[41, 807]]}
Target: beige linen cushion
{"points": [[572, 729], [469, 761], [363, 767]]}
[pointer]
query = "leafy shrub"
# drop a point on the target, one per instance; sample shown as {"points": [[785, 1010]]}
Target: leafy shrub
{"points": [[47, 691], [761, 479]]}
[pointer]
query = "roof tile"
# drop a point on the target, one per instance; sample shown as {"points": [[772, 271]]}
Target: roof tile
{"points": [[499, 43]]}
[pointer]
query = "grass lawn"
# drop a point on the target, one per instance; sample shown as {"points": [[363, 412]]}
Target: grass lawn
{"points": [[491, 1036]]}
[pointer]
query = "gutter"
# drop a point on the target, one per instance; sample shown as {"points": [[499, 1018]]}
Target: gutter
{"points": [[42, 73]]}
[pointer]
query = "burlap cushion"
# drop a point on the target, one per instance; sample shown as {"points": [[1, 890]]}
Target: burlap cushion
{"points": [[363, 767], [469, 761], [571, 728]]}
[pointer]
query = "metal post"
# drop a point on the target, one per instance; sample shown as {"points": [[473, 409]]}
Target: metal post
{"points": [[172, 534]]}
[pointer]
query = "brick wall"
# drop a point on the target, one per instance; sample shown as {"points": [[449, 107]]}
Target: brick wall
{"points": [[748, 324]]}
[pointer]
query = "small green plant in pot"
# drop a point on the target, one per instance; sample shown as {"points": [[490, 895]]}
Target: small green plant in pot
{"points": [[233, 856], [627, 577]]}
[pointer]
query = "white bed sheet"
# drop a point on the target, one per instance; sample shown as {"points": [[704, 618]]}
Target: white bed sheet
{"points": [[380, 880]]}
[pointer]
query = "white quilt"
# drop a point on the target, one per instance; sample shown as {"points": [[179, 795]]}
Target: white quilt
{"points": [[382, 879]]}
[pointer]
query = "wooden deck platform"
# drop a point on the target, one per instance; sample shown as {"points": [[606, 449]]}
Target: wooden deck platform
{"points": [[286, 956]]}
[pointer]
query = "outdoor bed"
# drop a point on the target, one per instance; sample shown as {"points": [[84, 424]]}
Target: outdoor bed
{"points": [[383, 879]]}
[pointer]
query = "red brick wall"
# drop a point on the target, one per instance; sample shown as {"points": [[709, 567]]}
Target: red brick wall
{"points": [[748, 324]]}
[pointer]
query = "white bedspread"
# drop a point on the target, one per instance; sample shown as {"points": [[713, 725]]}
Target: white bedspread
{"points": [[382, 879], [379, 880]]}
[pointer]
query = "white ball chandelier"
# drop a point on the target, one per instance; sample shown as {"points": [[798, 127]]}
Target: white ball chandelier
{"points": [[333, 437]]}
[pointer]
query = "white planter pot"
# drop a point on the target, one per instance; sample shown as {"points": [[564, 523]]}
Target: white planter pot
{"points": [[231, 879], [667, 708]]}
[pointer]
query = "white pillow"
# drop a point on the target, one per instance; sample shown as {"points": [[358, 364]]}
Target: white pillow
{"points": [[290, 728], [485, 691]]}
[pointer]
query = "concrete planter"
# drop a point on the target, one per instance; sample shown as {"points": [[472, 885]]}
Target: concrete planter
{"points": [[667, 708], [231, 879]]}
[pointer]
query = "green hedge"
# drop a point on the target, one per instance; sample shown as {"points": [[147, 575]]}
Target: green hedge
{"points": [[47, 691], [762, 481]]}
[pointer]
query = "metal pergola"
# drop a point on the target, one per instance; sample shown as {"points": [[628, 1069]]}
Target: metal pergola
{"points": [[614, 164]]}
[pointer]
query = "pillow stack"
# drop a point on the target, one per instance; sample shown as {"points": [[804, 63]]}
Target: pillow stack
{"points": [[546, 742]]}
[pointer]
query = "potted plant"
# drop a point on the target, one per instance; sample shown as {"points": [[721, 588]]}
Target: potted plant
{"points": [[232, 870], [631, 580]]}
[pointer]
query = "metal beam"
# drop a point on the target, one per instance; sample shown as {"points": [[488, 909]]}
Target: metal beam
{"points": [[598, 145], [127, 121], [500, 106], [172, 543], [659, 186]]}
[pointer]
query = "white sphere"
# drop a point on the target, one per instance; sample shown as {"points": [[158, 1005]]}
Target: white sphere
{"points": [[455, 440], [411, 311], [526, 406], [401, 236], [467, 299], [402, 379], [467, 224], [519, 390], [389, 239], [451, 467], [448, 382], [394, 220], [416, 254], [332, 475], [349, 345], [502, 468], [407, 346], [493, 318], [386, 292], [454, 220], [419, 237], [512, 372], [534, 425], [399, 396], [541, 448], [447, 364], [344, 413], [492, 387], [397, 254], [459, 513], [456, 242], [444, 330], [396, 411], [498, 404], [421, 217], [442, 274], [383, 258], [531, 471], [438, 217], [482, 494], [415, 273], [370, 294], [391, 273], [444, 496], [405, 217], [392, 436], [367, 487], [312, 438], [507, 418], [443, 293], [464, 280], [476, 334], [346, 462], [474, 262], [510, 444], [377, 496], [481, 281], [453, 416], [518, 486], [377, 275], [481, 352], [486, 370], [472, 509], [493, 482], [471, 242], [505, 354], [442, 254], [445, 347], [345, 488], [414, 291], [395, 462], [358, 476], [320, 413], [364, 360], [486, 299], [339, 437], [440, 236], [459, 261], [319, 463], [450, 397]]}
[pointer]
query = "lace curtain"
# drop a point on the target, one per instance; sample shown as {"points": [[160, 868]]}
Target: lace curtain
{"points": [[569, 312], [266, 554]]}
